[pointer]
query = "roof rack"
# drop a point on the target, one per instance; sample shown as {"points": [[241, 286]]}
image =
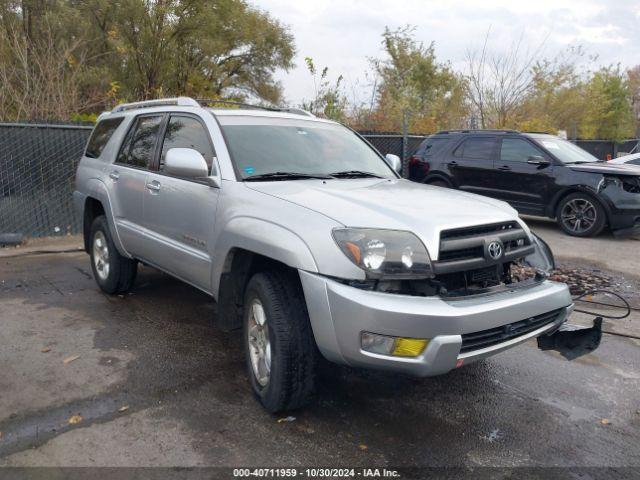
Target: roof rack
{"points": [[481, 130], [179, 101], [202, 102], [296, 111]]}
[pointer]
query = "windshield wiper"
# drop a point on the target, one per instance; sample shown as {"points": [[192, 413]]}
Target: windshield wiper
{"points": [[354, 174], [284, 176]]}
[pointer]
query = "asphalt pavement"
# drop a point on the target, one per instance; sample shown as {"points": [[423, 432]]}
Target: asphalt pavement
{"points": [[146, 379]]}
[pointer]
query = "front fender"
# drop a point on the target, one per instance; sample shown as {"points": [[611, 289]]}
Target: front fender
{"points": [[264, 238]]}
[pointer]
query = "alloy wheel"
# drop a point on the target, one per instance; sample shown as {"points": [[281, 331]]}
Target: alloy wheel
{"points": [[101, 255], [259, 345], [579, 215]]}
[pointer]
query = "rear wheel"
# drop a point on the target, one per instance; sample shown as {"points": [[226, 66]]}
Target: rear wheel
{"points": [[280, 349], [580, 215], [113, 272]]}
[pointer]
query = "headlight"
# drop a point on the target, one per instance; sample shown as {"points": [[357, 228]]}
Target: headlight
{"points": [[542, 258], [385, 253]]}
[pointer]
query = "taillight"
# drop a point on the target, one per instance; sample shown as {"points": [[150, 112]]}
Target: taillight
{"points": [[416, 161]]}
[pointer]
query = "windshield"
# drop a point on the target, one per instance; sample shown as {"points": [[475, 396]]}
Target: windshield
{"points": [[262, 146], [564, 150]]}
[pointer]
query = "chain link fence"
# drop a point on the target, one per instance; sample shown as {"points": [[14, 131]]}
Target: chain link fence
{"points": [[37, 168], [38, 164]]}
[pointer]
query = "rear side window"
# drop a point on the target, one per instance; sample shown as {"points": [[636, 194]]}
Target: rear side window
{"points": [[101, 135], [480, 148], [517, 150], [433, 145], [186, 132], [139, 145]]}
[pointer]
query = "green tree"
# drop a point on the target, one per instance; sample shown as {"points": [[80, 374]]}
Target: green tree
{"points": [[414, 89], [329, 100], [609, 114], [58, 57]]}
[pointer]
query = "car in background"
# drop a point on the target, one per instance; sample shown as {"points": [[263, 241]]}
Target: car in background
{"points": [[633, 159], [537, 174]]}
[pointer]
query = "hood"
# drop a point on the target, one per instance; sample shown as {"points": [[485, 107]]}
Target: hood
{"points": [[607, 167], [391, 204]]}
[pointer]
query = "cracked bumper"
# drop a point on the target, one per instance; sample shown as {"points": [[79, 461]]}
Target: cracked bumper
{"points": [[339, 313]]}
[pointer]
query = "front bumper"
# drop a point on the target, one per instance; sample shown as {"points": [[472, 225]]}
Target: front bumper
{"points": [[339, 313]]}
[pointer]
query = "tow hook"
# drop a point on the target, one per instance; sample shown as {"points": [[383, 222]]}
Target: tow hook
{"points": [[573, 341]]}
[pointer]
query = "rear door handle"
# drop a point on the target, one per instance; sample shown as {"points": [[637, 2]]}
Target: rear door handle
{"points": [[114, 176], [505, 168], [154, 186]]}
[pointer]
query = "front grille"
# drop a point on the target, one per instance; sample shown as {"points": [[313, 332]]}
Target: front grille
{"points": [[464, 249], [494, 336], [462, 254], [478, 230]]}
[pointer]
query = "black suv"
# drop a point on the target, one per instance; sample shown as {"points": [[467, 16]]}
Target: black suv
{"points": [[538, 174]]}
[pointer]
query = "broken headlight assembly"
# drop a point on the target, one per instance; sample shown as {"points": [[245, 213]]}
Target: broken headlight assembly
{"points": [[385, 253], [629, 184]]}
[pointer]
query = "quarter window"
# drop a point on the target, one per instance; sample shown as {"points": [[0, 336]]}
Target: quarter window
{"points": [[186, 132], [517, 150], [101, 135], [139, 145], [480, 148]]}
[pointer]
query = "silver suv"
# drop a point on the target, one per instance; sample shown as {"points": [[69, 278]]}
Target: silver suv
{"points": [[308, 240]]}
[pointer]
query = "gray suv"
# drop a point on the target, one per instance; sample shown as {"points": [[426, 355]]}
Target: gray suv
{"points": [[310, 242]]}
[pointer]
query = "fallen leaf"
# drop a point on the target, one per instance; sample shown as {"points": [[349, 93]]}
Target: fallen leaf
{"points": [[363, 447], [123, 408], [286, 419], [0, 435], [45, 350], [605, 421], [70, 359], [75, 419]]}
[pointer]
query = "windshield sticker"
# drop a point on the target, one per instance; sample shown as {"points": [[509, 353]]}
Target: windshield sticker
{"points": [[302, 132], [551, 145], [249, 170]]}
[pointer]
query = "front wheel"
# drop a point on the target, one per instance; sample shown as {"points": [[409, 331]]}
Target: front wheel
{"points": [[113, 272], [280, 349], [580, 215]]}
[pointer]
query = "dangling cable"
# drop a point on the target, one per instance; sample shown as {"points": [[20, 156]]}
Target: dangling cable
{"points": [[626, 305]]}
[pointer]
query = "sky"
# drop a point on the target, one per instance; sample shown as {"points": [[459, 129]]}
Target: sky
{"points": [[343, 34]]}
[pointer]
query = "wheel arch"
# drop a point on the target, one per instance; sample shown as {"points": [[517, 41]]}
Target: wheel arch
{"points": [[438, 176], [562, 194]]}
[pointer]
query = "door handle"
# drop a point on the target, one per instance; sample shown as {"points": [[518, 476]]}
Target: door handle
{"points": [[154, 186], [505, 168], [453, 164], [114, 176]]}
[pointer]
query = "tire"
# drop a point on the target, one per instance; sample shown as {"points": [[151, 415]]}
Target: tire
{"points": [[581, 215], [112, 272], [289, 380], [439, 183]]}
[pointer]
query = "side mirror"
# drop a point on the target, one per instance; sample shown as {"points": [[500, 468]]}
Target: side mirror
{"points": [[538, 160], [185, 162], [394, 161]]}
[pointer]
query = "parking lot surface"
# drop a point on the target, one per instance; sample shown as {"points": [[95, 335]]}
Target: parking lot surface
{"points": [[146, 379]]}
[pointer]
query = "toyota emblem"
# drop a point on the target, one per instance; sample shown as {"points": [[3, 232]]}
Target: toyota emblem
{"points": [[494, 249]]}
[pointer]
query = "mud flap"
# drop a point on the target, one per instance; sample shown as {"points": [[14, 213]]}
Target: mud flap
{"points": [[573, 341]]}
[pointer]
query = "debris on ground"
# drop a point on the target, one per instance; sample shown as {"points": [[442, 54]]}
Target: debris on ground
{"points": [[123, 408], [45, 350], [363, 447], [605, 421], [75, 419], [70, 359], [286, 419]]}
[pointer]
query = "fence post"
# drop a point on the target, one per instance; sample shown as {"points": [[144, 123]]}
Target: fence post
{"points": [[405, 144]]}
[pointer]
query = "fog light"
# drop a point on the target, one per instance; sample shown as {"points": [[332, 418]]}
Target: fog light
{"points": [[409, 347], [396, 346]]}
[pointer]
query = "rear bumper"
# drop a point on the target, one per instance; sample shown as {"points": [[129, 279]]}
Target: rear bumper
{"points": [[340, 313]]}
